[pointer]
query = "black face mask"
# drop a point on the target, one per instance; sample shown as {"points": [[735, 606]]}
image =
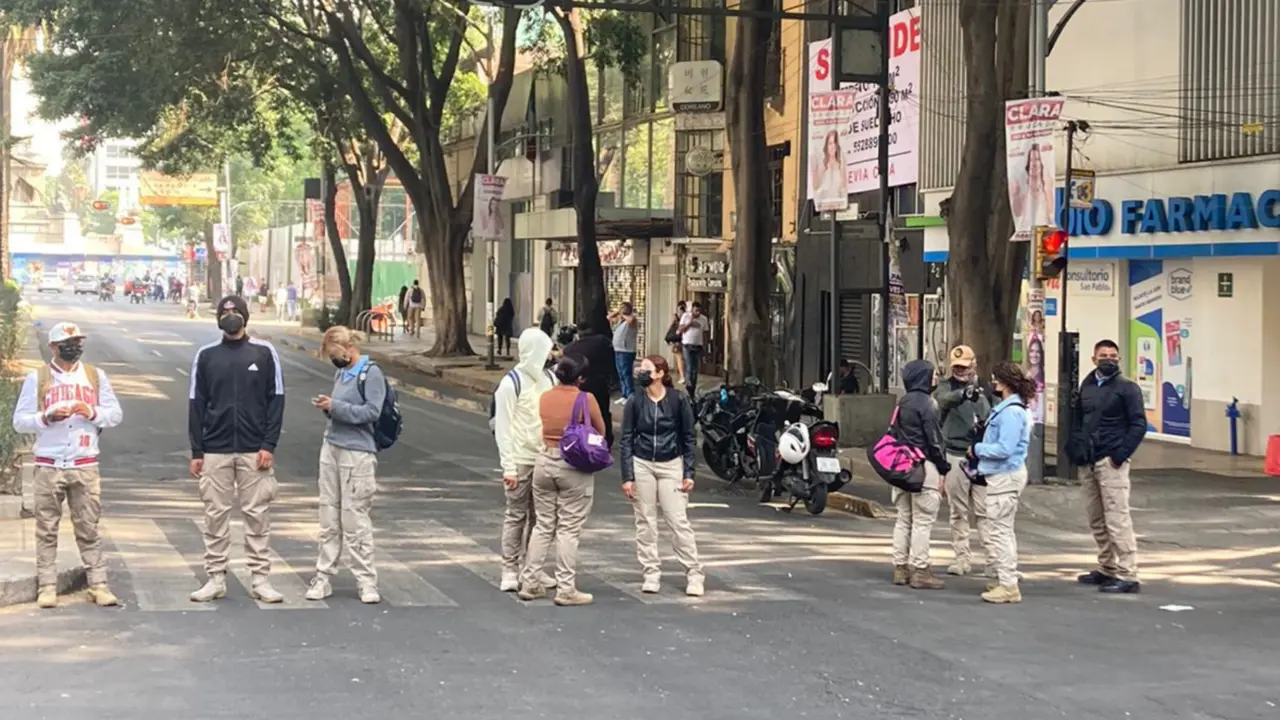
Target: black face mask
{"points": [[70, 352], [231, 323], [644, 379], [340, 362], [1107, 368]]}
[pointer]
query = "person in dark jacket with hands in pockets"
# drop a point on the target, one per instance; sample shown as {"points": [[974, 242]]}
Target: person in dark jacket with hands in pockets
{"points": [[657, 452], [1112, 421], [236, 410], [919, 426]]}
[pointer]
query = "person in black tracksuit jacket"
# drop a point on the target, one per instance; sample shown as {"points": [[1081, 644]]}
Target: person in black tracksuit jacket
{"points": [[236, 410], [918, 425], [1111, 423]]}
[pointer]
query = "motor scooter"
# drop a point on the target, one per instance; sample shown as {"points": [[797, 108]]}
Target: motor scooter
{"points": [[807, 466]]}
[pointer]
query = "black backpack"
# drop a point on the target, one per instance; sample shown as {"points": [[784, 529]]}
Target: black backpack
{"points": [[493, 398], [388, 426]]}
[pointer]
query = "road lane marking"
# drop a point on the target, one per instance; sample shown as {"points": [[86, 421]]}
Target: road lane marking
{"points": [[160, 576], [183, 372], [284, 578], [402, 587], [725, 583], [157, 353], [458, 548]]}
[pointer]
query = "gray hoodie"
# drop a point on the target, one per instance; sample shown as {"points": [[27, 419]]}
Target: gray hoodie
{"points": [[351, 417], [959, 416]]}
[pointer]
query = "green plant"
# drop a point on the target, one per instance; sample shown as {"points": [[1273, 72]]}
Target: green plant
{"points": [[13, 335]]}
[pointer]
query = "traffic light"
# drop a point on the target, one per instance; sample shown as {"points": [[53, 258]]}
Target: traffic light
{"points": [[1051, 251]]}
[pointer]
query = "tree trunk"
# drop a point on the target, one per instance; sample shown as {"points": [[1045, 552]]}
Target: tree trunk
{"points": [[335, 242], [6, 128], [446, 281], [749, 350], [591, 304], [368, 198], [984, 269], [213, 268]]}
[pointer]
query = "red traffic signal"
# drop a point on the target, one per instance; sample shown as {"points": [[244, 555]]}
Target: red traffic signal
{"points": [[100, 205], [1053, 242], [127, 220], [1051, 252]]}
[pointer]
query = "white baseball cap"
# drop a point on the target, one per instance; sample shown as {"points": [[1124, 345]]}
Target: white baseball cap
{"points": [[64, 331]]}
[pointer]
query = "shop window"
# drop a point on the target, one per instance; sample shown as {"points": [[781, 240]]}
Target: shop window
{"points": [[594, 86], [521, 256], [635, 169], [701, 37], [638, 95], [629, 283], [699, 199], [614, 88], [661, 196], [664, 53], [609, 161]]}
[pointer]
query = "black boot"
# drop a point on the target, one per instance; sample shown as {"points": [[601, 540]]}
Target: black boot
{"points": [[1095, 577], [1121, 587]]}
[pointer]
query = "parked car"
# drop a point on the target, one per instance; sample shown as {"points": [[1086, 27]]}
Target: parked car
{"points": [[87, 285], [50, 283]]}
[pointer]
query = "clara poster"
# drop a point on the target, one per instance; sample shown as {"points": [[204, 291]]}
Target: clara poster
{"points": [[1159, 343]]}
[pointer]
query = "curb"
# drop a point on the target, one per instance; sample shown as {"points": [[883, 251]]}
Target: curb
{"points": [[20, 591], [851, 504]]}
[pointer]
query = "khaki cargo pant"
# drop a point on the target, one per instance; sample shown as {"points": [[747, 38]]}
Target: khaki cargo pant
{"points": [[964, 498], [226, 477], [518, 519], [1106, 498], [997, 526], [916, 514], [348, 481], [658, 487], [81, 488], [562, 500]]}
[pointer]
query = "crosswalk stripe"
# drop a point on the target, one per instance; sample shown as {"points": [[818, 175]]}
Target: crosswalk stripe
{"points": [[460, 549], [284, 578], [161, 577], [401, 586]]}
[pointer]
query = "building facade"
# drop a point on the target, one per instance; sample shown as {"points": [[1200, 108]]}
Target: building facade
{"points": [[1178, 258]]}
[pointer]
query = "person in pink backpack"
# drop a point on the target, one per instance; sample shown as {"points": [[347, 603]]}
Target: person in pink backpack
{"points": [[918, 425]]}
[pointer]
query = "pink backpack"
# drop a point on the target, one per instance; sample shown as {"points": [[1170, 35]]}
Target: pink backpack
{"points": [[899, 464]]}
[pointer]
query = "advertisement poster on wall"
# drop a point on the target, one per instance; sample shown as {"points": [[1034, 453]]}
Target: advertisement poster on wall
{"points": [[861, 146], [1033, 331], [1159, 343], [1029, 126]]}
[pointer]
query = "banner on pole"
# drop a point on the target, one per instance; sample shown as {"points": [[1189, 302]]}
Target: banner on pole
{"points": [[487, 220], [1029, 126]]}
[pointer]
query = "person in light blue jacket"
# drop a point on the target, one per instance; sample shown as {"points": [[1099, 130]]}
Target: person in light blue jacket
{"points": [[1002, 460]]}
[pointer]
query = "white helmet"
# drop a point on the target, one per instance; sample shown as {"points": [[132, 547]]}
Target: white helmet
{"points": [[793, 445]]}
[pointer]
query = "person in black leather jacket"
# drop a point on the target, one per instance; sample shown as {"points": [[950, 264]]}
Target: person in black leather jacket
{"points": [[918, 425], [657, 452]]}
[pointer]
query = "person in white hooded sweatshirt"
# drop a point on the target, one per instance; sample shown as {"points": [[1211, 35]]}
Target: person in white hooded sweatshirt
{"points": [[66, 404], [517, 428]]}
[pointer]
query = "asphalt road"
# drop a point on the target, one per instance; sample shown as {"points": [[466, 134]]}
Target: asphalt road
{"points": [[799, 620]]}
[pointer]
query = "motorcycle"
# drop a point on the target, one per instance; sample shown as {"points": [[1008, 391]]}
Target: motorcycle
{"points": [[139, 294], [807, 456], [107, 292], [728, 418]]}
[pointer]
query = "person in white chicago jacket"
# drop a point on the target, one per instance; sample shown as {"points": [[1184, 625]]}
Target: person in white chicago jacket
{"points": [[517, 427], [66, 405]]}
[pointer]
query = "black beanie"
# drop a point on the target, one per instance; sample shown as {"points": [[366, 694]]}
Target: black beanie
{"points": [[233, 302]]}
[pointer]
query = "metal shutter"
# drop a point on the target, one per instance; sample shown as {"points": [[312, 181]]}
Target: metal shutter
{"points": [[855, 327]]}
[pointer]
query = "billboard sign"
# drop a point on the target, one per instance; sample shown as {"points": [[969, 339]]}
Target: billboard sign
{"points": [[198, 190]]}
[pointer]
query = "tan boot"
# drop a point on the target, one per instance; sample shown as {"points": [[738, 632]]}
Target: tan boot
{"points": [[577, 597], [901, 574], [48, 597], [532, 592], [102, 596], [923, 579], [1003, 595]]}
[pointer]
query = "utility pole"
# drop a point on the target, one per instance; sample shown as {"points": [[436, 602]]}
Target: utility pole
{"points": [[491, 288], [1039, 50], [1068, 342]]}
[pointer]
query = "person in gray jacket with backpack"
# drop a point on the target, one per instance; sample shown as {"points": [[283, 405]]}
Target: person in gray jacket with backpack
{"points": [[964, 405], [348, 465]]}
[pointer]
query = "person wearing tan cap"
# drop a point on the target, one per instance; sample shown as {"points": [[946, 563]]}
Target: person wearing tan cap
{"points": [[66, 405], [964, 406]]}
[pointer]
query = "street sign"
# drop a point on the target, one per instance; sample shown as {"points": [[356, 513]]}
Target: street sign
{"points": [[696, 86]]}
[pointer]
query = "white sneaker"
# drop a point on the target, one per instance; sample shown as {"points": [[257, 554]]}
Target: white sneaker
{"points": [[369, 595], [320, 588], [959, 568], [695, 588], [263, 592], [510, 581], [546, 580], [651, 585], [214, 588]]}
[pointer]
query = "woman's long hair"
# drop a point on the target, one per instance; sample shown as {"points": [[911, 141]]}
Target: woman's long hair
{"points": [[1013, 377], [660, 364]]}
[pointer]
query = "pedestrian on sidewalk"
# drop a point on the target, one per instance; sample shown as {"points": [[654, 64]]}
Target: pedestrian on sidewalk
{"points": [[693, 330], [504, 326], [596, 349], [348, 476], [1111, 422], [963, 405], [1002, 462], [292, 298], [657, 452], [517, 429], [548, 319], [236, 411], [918, 426], [282, 303], [562, 494], [673, 340], [66, 405], [417, 301], [402, 307], [626, 329]]}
